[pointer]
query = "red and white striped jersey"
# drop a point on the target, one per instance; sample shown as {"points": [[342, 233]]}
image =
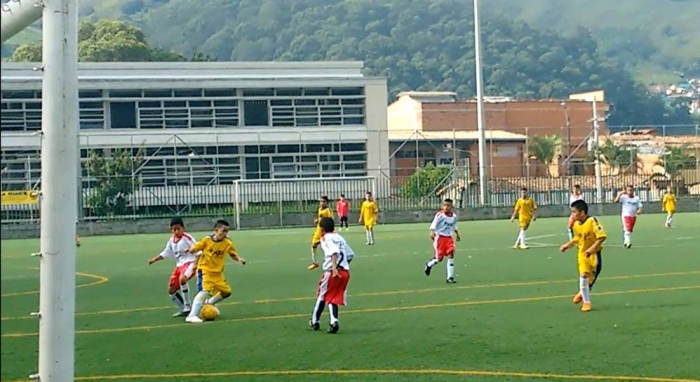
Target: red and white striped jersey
{"points": [[332, 243], [178, 249], [444, 223]]}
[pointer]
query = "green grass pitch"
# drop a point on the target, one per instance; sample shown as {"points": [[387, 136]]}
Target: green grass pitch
{"points": [[509, 318]]}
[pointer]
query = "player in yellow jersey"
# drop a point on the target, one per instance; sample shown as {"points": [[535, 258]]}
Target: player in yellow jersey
{"points": [[369, 215], [589, 235], [323, 212], [526, 210], [668, 205], [210, 269]]}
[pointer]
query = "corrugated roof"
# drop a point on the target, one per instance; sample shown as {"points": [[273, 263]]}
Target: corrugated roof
{"points": [[493, 135], [653, 140]]}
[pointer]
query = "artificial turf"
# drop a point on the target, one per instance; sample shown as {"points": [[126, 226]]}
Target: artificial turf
{"points": [[509, 318]]}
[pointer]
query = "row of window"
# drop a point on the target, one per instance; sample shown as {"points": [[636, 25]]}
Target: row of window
{"points": [[201, 113], [206, 165], [193, 93]]}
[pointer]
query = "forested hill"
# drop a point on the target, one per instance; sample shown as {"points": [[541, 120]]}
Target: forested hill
{"points": [[419, 45]]}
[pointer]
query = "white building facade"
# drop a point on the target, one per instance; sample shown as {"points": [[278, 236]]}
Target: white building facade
{"points": [[209, 123]]}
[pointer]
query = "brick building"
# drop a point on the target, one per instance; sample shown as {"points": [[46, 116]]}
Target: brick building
{"points": [[444, 127]]}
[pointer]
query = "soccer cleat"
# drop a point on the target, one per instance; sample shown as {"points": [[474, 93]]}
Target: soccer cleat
{"points": [[628, 245], [578, 298], [314, 326], [524, 247], [516, 246], [312, 266], [427, 269], [333, 328], [586, 307], [193, 320], [451, 280], [181, 314]]}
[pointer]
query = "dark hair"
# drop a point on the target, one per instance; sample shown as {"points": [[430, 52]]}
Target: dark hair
{"points": [[577, 186], [368, 193], [221, 223], [342, 195], [448, 200], [177, 221], [324, 198], [580, 205], [630, 186], [327, 224], [523, 189]]}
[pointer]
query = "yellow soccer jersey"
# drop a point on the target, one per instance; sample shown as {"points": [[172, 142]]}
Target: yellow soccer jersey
{"points": [[669, 202], [369, 210], [525, 208], [587, 233], [213, 257], [323, 213]]}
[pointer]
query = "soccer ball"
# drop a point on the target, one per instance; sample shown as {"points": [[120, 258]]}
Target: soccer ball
{"points": [[209, 312]]}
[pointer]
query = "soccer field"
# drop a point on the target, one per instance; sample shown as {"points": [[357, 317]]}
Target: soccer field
{"points": [[509, 318]]}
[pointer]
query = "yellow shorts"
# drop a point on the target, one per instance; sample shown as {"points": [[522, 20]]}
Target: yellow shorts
{"points": [[370, 223], [671, 211], [525, 223], [316, 238], [212, 282], [590, 264]]}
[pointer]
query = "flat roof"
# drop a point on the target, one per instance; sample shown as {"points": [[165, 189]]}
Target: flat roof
{"points": [[491, 135], [195, 70]]}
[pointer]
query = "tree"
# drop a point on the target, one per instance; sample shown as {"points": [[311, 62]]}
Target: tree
{"points": [[425, 181], [545, 149], [617, 158], [675, 159], [107, 41], [114, 181]]}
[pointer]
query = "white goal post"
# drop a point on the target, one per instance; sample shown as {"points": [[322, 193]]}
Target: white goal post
{"points": [[269, 201]]}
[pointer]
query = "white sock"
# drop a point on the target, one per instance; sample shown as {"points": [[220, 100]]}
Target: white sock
{"points": [[521, 237], [584, 288], [333, 310], [371, 236], [432, 263], [185, 290], [177, 299], [313, 254], [199, 300], [669, 219], [215, 299], [367, 236], [450, 268], [628, 237], [318, 310]]}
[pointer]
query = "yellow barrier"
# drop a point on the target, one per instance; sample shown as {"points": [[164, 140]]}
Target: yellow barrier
{"points": [[10, 198]]}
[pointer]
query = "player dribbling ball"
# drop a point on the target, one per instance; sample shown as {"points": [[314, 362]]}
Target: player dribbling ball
{"points": [[209, 312]]}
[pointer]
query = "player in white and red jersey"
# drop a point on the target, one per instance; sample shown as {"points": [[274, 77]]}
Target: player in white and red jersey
{"points": [[576, 194], [442, 229], [186, 265], [333, 286], [631, 207]]}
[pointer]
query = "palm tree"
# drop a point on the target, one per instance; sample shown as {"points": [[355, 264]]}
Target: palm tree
{"points": [[545, 149], [617, 157], [674, 159]]}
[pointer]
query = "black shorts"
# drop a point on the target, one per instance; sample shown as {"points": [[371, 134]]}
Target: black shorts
{"points": [[343, 219]]}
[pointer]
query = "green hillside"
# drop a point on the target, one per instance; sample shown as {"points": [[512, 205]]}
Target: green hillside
{"points": [[651, 38]]}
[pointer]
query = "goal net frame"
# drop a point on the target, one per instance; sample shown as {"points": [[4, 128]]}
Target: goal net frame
{"points": [[249, 193]]}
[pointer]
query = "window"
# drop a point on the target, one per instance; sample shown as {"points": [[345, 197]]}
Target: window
{"points": [[90, 94], [317, 92], [347, 91], [123, 115], [256, 113], [258, 92], [188, 93], [257, 168], [158, 93], [127, 93], [219, 92]]}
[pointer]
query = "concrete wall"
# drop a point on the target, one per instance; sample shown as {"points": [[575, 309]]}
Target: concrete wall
{"points": [[149, 226]]}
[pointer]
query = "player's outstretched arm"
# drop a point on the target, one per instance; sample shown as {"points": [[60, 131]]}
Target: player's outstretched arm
{"points": [[515, 212], [334, 265], [155, 259], [457, 236], [568, 245], [198, 246], [618, 197]]}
